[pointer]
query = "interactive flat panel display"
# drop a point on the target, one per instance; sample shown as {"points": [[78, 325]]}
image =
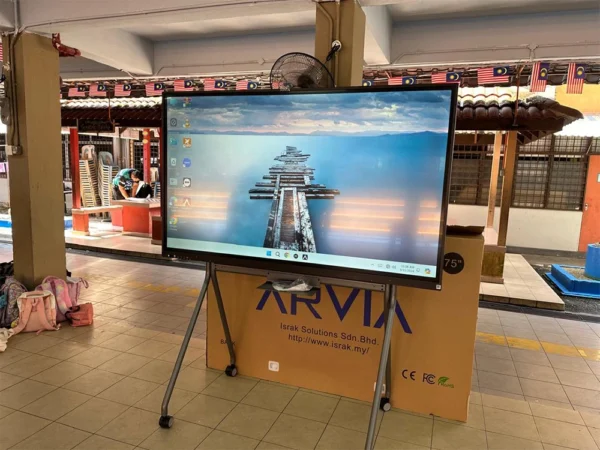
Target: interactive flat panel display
{"points": [[346, 183]]}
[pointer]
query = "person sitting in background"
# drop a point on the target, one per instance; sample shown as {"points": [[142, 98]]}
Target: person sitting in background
{"points": [[126, 183]]}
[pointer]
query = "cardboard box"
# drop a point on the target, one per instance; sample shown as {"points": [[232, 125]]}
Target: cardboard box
{"points": [[331, 342]]}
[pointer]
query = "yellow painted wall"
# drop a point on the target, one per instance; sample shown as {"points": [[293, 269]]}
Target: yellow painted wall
{"points": [[588, 102]]}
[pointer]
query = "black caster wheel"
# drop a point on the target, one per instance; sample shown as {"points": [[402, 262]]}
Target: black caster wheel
{"points": [[166, 421], [231, 371], [385, 404]]}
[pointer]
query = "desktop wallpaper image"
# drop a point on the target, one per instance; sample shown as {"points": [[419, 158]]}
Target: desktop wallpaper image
{"points": [[349, 174]]}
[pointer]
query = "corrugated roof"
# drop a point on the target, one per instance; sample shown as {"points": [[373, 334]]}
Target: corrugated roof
{"points": [[589, 126]]}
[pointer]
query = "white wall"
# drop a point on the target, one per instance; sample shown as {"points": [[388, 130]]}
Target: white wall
{"points": [[531, 228], [4, 192], [567, 35]]}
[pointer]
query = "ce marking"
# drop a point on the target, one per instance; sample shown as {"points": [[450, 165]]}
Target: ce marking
{"points": [[411, 374]]}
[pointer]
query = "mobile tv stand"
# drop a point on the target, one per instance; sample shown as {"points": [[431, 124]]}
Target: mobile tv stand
{"points": [[166, 421], [384, 371]]}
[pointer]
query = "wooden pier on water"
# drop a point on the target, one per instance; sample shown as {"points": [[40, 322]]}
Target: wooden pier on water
{"points": [[289, 186]]}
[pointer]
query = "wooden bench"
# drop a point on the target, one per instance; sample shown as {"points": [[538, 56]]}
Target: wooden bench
{"points": [[81, 217]]}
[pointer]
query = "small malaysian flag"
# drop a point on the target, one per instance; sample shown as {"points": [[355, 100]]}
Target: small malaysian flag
{"points": [[183, 85], [244, 85], [395, 81], [445, 77], [539, 77], [123, 90], [367, 83], [153, 89], [77, 91], [210, 84], [575, 78], [1, 53], [98, 90], [404, 81], [493, 75]]}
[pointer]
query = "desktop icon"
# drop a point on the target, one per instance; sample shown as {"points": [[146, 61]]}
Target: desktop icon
{"points": [[187, 162], [268, 252], [186, 124], [173, 122], [286, 254], [277, 254], [172, 141], [295, 255], [173, 201], [173, 221], [187, 182], [173, 181], [427, 271], [187, 142], [305, 257], [187, 202], [187, 102], [173, 162], [387, 266]]}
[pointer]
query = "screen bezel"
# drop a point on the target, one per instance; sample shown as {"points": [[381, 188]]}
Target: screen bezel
{"points": [[309, 269]]}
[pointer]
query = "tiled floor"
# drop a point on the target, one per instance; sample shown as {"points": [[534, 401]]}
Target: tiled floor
{"points": [[522, 286], [535, 383]]}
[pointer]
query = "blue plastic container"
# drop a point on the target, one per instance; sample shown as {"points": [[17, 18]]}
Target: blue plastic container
{"points": [[592, 261]]}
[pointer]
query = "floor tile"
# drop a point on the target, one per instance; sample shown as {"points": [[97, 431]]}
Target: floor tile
{"points": [[196, 380], [95, 356], [38, 343], [122, 342], [219, 440], [96, 442], [18, 426], [131, 427], [312, 406], [541, 389], [576, 364], [94, 382], [153, 401], [453, 436], [499, 382], [337, 438], [506, 404], [141, 332], [583, 397], [23, 393], [382, 443], [155, 371], [93, 415], [496, 365], [352, 415], [510, 423], [497, 441], [565, 434], [65, 350], [590, 417], [182, 436], [4, 411], [11, 355], [406, 428], [578, 379], [560, 414], [54, 437], [128, 391], [270, 396], [492, 351], [295, 432], [536, 372], [95, 336], [56, 404], [191, 355], [229, 388], [206, 410], [30, 366], [151, 349], [268, 446], [61, 374], [249, 421], [125, 364], [8, 380]]}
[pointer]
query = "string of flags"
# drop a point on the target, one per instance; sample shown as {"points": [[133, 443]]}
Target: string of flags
{"points": [[538, 81]]}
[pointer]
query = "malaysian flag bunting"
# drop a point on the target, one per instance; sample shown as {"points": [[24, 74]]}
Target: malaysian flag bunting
{"points": [[539, 77], [493, 75], [154, 88], [77, 91], [405, 81], [211, 84], [446, 77], [575, 78], [243, 85], [123, 90], [183, 85], [98, 90], [1, 53], [367, 83]]}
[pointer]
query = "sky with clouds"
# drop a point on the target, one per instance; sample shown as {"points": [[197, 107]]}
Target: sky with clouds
{"points": [[362, 113]]}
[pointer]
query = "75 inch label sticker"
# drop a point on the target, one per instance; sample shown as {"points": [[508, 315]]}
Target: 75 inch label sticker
{"points": [[453, 263]]}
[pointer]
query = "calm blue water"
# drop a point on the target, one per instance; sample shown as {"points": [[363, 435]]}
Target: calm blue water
{"points": [[405, 169]]}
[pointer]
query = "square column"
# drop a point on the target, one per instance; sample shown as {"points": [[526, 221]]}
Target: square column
{"points": [[36, 189]]}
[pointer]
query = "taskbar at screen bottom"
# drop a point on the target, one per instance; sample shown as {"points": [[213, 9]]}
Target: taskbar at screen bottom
{"points": [[350, 262]]}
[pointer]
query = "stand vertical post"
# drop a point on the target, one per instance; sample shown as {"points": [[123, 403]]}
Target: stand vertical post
{"points": [[389, 307]]}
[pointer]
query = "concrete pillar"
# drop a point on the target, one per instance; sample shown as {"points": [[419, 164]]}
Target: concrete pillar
{"points": [[345, 21], [36, 191]]}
